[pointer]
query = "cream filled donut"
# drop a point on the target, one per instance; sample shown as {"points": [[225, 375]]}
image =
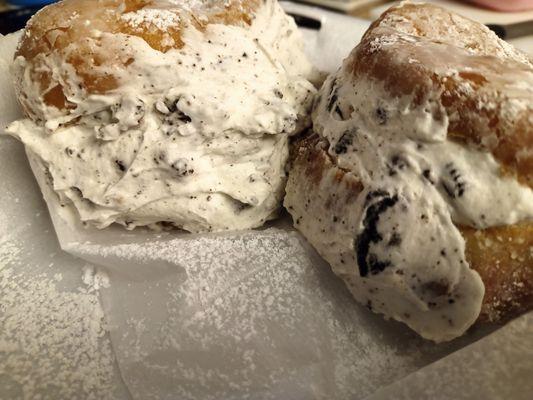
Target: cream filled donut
{"points": [[416, 184], [163, 111]]}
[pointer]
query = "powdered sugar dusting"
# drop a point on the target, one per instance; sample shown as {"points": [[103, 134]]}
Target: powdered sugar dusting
{"points": [[94, 279], [52, 342], [158, 18], [165, 14], [253, 314], [435, 22], [379, 42], [198, 5]]}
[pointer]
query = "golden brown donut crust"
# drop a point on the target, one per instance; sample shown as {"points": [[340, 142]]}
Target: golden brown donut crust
{"points": [[503, 256], [71, 30], [480, 98]]}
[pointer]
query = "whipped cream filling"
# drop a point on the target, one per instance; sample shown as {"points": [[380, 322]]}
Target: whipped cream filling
{"points": [[399, 249], [196, 136]]}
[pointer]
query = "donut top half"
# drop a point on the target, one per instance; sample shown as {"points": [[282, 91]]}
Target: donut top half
{"points": [[433, 114], [147, 111]]}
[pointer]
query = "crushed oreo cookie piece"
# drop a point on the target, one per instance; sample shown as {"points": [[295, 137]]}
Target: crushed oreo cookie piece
{"points": [[382, 115], [345, 141], [368, 262], [181, 167], [120, 164], [397, 163], [395, 239], [452, 182], [428, 176], [338, 111], [374, 194], [333, 97]]}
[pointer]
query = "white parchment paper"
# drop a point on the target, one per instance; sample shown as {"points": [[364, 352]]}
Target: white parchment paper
{"points": [[253, 314]]}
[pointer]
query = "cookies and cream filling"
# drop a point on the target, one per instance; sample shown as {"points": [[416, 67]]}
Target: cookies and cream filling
{"points": [[397, 244], [196, 136]]}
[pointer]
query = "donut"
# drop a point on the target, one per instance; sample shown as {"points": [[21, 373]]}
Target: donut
{"points": [[415, 182], [163, 112]]}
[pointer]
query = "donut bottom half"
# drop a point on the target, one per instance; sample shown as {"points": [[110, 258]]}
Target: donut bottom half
{"points": [[502, 256]]}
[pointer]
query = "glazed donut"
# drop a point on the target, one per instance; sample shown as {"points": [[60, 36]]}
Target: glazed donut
{"points": [[146, 112], [415, 183]]}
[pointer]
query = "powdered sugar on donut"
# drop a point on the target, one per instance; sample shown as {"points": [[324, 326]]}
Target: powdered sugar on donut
{"points": [[161, 19]]}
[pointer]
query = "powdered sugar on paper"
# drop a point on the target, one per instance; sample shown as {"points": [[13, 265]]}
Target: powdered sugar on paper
{"points": [[247, 314], [52, 342]]}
